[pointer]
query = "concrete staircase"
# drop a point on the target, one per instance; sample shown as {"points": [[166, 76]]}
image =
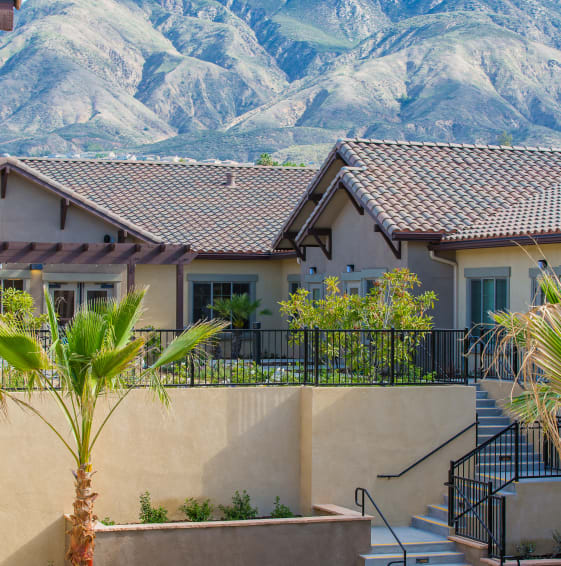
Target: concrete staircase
{"points": [[426, 540]]}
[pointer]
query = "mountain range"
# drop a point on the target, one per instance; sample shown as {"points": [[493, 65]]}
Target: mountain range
{"points": [[230, 79]]}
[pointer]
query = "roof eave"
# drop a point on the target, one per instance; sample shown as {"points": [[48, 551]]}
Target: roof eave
{"points": [[506, 241]]}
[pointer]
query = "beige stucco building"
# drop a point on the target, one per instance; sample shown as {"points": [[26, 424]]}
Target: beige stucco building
{"points": [[192, 233], [472, 221]]}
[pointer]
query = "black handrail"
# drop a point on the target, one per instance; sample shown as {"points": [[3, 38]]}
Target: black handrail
{"points": [[480, 447], [364, 492], [457, 435]]}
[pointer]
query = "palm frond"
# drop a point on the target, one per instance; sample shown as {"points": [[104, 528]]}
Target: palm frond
{"points": [[21, 350], [190, 341], [123, 315], [109, 363]]}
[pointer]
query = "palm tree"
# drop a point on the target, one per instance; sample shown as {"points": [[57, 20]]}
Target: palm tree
{"points": [[537, 334], [96, 356], [238, 309]]}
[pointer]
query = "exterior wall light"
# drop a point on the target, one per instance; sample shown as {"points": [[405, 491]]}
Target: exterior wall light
{"points": [[542, 264], [313, 270], [350, 268]]}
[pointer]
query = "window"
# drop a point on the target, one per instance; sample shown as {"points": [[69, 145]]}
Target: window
{"points": [[293, 286], [486, 294], [205, 294], [9, 284]]}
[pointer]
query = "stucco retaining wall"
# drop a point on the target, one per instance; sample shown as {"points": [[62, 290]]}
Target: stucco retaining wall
{"points": [[335, 540], [306, 445]]}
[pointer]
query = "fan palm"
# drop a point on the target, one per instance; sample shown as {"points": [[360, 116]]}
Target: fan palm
{"points": [[238, 309], [537, 334], [96, 356]]}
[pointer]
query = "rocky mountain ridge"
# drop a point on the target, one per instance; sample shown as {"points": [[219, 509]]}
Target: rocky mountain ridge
{"points": [[234, 78]]}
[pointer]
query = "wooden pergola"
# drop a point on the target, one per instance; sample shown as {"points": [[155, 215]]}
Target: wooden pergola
{"points": [[129, 254]]}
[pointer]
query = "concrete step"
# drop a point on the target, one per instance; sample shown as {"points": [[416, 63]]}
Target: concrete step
{"points": [[414, 558], [489, 412], [485, 403], [493, 420], [479, 394], [438, 512], [431, 524], [421, 547]]}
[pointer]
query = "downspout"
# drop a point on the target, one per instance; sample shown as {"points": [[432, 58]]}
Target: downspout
{"points": [[454, 265]]}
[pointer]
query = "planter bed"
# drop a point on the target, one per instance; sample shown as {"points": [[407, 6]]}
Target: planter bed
{"points": [[335, 536]]}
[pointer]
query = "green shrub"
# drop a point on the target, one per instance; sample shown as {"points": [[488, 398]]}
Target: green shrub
{"points": [[526, 548], [197, 512], [107, 521], [149, 514], [281, 511], [240, 510]]}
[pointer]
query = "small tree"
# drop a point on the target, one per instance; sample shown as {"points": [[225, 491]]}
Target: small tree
{"points": [[18, 308], [505, 138], [96, 357], [391, 303], [238, 309], [266, 159]]}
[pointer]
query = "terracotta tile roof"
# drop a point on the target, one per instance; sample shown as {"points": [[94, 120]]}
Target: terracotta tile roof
{"points": [[536, 215], [188, 203], [443, 188]]}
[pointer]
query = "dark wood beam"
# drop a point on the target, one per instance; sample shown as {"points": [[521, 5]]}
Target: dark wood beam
{"points": [[4, 182], [315, 198], [131, 272], [64, 206], [326, 247], [101, 254], [122, 236], [395, 250], [179, 295], [358, 207]]}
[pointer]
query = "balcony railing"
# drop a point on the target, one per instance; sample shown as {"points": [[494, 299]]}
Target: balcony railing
{"points": [[309, 356]]}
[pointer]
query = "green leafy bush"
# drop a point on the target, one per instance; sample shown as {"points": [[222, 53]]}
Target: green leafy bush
{"points": [[107, 521], [281, 511], [18, 308], [240, 510], [196, 511], [149, 514]]}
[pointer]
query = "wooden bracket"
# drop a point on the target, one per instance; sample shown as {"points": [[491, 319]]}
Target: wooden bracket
{"points": [[326, 247], [122, 236], [358, 207], [395, 250], [64, 206]]}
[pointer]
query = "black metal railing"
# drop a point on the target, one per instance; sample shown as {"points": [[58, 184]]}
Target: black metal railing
{"points": [[431, 453], [360, 501], [475, 507], [489, 357], [309, 356]]}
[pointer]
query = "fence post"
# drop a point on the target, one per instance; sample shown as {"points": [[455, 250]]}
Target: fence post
{"points": [[392, 355], [516, 450], [451, 495], [490, 517], [257, 343], [306, 354], [192, 372], [465, 364], [503, 528], [316, 356], [433, 351]]}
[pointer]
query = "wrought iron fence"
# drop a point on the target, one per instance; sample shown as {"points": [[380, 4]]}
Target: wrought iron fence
{"points": [[475, 507], [309, 356]]}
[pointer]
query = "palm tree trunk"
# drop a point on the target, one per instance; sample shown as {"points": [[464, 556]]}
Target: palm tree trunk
{"points": [[82, 534]]}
